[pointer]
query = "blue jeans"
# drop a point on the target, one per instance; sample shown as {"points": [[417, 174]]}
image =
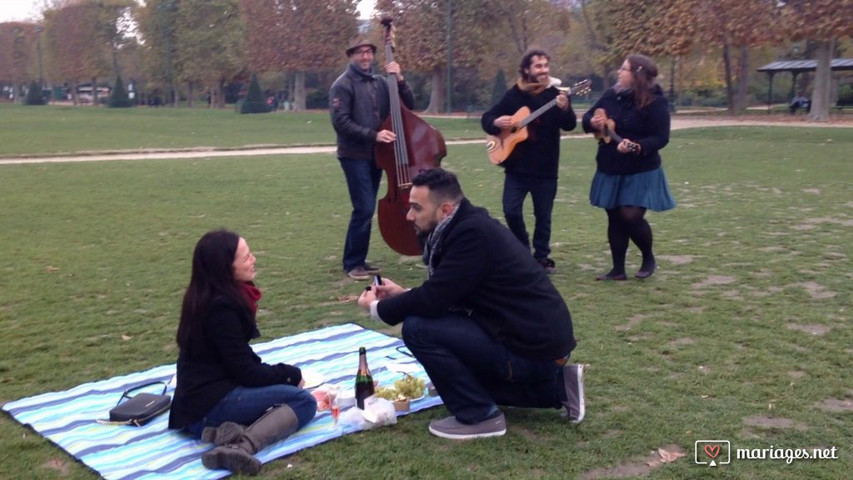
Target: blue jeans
{"points": [[363, 178], [244, 405], [473, 373], [542, 191]]}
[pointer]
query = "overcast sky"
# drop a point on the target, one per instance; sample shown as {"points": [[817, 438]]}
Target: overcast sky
{"points": [[26, 9]]}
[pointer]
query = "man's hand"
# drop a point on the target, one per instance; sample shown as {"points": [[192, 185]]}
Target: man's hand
{"points": [[503, 122], [388, 289], [563, 101], [367, 296], [394, 67], [385, 136]]}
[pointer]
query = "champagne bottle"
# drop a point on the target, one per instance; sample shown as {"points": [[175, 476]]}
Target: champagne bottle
{"points": [[363, 379]]}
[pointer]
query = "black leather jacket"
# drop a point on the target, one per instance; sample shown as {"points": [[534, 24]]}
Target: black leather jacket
{"points": [[358, 103]]}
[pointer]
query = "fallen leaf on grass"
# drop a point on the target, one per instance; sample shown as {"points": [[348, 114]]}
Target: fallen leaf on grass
{"points": [[51, 268], [348, 298], [665, 456], [126, 337]]}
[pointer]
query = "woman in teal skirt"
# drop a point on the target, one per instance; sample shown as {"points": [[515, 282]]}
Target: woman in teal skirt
{"points": [[632, 123]]}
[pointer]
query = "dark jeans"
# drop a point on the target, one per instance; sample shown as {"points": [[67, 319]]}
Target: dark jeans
{"points": [[473, 373], [363, 178], [244, 405], [542, 191]]}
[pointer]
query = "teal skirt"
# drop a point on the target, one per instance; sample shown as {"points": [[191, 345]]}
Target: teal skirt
{"points": [[644, 189]]}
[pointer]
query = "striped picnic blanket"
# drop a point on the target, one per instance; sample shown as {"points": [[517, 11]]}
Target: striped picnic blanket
{"points": [[152, 451]]}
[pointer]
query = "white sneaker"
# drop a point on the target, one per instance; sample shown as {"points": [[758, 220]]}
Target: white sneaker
{"points": [[573, 382]]}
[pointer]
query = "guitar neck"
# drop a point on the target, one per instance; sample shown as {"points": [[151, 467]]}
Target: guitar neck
{"points": [[536, 113]]}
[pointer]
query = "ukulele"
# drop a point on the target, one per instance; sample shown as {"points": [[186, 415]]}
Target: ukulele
{"points": [[609, 134], [501, 145]]}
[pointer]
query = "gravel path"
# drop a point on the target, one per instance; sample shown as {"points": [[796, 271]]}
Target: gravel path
{"points": [[678, 123]]}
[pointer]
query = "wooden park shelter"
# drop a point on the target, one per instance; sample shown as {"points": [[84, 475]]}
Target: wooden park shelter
{"points": [[797, 67]]}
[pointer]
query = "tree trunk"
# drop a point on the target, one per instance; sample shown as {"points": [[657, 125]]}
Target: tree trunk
{"points": [[74, 99], [727, 62], [220, 94], [436, 97], [94, 91], [190, 95], [822, 81], [742, 80], [299, 91]]}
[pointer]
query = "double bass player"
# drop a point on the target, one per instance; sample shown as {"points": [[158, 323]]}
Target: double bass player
{"points": [[358, 104]]}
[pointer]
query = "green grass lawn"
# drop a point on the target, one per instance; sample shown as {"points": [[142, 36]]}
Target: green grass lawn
{"points": [[27, 131], [743, 334]]}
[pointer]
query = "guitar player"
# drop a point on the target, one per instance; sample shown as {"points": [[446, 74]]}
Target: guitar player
{"points": [[532, 166]]}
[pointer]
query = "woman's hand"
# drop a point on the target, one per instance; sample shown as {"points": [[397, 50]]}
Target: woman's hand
{"points": [[597, 121]]}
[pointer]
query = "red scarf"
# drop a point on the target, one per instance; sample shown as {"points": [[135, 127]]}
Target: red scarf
{"points": [[252, 294]]}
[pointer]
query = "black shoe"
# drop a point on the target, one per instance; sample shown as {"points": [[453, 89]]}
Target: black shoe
{"points": [[547, 264], [371, 269], [646, 271], [619, 277]]}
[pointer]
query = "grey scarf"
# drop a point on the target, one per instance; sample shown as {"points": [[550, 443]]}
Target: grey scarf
{"points": [[432, 248]]}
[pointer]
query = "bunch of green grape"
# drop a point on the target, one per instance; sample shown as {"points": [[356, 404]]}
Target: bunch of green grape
{"points": [[410, 386], [388, 393]]}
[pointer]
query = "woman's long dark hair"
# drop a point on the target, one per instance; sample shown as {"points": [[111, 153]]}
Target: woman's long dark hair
{"points": [[645, 71], [212, 275]]}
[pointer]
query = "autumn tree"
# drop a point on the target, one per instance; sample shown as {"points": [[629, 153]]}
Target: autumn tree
{"points": [[83, 38], [71, 36], [298, 36], [17, 54], [157, 26], [423, 41], [210, 46], [823, 22], [724, 24]]}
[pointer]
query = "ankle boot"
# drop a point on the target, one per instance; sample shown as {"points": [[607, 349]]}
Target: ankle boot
{"points": [[238, 457], [227, 432]]}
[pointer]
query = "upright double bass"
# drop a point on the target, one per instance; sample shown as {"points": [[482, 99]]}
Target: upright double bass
{"points": [[419, 146]]}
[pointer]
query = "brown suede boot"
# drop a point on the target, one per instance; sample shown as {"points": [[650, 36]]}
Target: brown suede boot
{"points": [[238, 456]]}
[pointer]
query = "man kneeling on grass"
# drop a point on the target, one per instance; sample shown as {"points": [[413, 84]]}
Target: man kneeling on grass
{"points": [[487, 325]]}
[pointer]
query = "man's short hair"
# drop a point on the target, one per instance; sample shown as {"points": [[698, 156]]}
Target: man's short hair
{"points": [[442, 185], [527, 59]]}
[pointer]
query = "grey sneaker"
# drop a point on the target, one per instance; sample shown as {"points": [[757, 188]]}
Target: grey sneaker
{"points": [[573, 382], [358, 273], [451, 428]]}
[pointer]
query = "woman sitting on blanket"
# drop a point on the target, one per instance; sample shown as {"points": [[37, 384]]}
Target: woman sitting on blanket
{"points": [[225, 394]]}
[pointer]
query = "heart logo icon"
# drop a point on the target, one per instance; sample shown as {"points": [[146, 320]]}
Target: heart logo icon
{"points": [[712, 450]]}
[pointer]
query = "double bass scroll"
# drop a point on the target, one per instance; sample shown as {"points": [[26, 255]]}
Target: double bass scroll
{"points": [[419, 147]]}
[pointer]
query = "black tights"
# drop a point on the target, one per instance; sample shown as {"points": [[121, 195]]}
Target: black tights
{"points": [[624, 224]]}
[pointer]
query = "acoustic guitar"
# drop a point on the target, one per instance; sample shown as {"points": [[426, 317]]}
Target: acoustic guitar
{"points": [[609, 134], [501, 145]]}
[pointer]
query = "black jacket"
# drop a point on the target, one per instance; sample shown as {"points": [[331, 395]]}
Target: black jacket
{"points": [[484, 272], [539, 155], [649, 127], [221, 361], [358, 104]]}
